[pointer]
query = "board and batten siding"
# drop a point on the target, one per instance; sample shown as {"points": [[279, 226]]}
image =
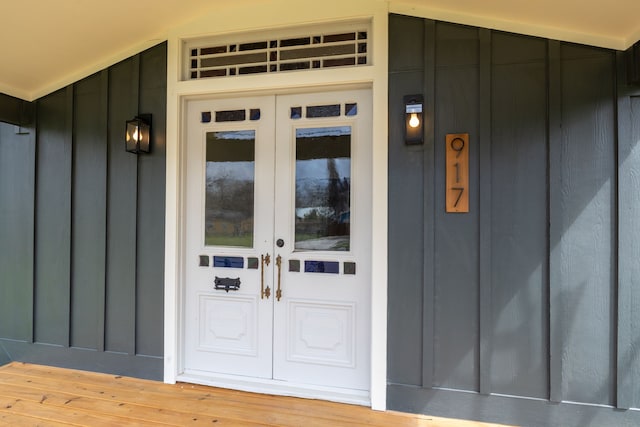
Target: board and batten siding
{"points": [[82, 226], [531, 298]]}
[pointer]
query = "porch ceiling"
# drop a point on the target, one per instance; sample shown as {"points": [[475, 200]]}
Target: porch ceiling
{"points": [[47, 44]]}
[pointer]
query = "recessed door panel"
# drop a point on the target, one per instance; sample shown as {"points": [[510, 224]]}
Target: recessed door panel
{"points": [[321, 333], [228, 324]]}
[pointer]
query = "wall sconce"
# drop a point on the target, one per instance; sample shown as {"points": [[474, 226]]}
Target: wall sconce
{"points": [[138, 134], [413, 133]]}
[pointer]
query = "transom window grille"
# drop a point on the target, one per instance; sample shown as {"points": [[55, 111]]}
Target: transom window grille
{"points": [[316, 50]]}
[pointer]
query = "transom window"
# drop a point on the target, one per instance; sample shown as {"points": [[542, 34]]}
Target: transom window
{"points": [[293, 50]]}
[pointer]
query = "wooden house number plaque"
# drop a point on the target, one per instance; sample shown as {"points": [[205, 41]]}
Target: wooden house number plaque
{"points": [[457, 170]]}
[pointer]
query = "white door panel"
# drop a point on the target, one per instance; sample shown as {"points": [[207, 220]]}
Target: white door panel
{"points": [[325, 315], [228, 331], [284, 179]]}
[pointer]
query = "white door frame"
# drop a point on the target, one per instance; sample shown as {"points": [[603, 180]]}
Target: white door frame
{"points": [[375, 77], [174, 345]]}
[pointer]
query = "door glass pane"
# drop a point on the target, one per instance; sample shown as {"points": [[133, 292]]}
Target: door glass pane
{"points": [[230, 184], [323, 182]]}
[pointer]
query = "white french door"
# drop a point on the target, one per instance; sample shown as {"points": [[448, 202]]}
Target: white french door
{"points": [[277, 239]]}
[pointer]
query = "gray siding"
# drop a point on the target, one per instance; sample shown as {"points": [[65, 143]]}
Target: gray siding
{"points": [[629, 344], [150, 208], [82, 226], [530, 294], [455, 361], [121, 206], [88, 213], [17, 175], [518, 321], [587, 237], [405, 223], [53, 219]]}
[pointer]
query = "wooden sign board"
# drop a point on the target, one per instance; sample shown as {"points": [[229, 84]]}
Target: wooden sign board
{"points": [[457, 172]]}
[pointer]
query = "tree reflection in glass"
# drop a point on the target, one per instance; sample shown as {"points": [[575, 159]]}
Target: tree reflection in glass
{"points": [[229, 188], [323, 188]]}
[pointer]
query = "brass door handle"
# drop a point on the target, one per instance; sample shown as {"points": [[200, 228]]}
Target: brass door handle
{"points": [[264, 292], [279, 264]]}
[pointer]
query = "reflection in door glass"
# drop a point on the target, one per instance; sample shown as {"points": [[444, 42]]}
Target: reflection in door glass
{"points": [[323, 186], [229, 193]]}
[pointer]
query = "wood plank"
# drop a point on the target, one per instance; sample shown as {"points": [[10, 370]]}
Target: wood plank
{"points": [[457, 172], [169, 408], [72, 416], [10, 419], [188, 400], [132, 411], [33, 395]]}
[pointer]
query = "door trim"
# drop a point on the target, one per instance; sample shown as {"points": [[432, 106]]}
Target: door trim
{"points": [[374, 76], [174, 289], [257, 384]]}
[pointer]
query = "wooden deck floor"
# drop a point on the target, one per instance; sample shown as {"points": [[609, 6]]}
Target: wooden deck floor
{"points": [[33, 395]]}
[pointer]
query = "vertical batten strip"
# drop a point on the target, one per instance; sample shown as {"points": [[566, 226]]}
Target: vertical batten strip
{"points": [[556, 327], [484, 144], [628, 214], [68, 126], [31, 135], [34, 242], [429, 86], [134, 291], [102, 133]]}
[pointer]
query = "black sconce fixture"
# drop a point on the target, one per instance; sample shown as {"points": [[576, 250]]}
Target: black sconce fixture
{"points": [[413, 133], [138, 134]]}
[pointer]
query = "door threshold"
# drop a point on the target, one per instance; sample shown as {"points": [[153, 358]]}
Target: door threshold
{"points": [[275, 387]]}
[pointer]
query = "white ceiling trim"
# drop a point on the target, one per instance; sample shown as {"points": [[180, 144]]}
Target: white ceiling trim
{"points": [[423, 11], [635, 37], [12, 91]]}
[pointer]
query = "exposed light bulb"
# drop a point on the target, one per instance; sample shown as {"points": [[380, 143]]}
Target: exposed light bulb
{"points": [[414, 121], [136, 135]]}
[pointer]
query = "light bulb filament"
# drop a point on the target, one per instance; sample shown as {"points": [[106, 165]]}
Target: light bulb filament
{"points": [[414, 121]]}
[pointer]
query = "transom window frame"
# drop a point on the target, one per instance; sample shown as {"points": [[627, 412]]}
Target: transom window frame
{"points": [[361, 28]]}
